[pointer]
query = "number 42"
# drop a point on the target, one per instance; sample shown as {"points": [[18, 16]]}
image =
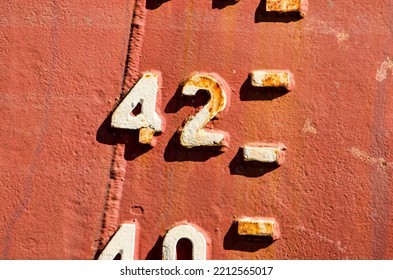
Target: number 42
{"points": [[192, 133], [144, 93]]}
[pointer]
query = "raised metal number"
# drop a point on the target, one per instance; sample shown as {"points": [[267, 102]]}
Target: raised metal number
{"points": [[123, 243], [184, 231], [193, 133], [143, 93]]}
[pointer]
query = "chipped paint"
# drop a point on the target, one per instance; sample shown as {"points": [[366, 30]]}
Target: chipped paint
{"points": [[258, 227], [309, 127], [382, 71], [365, 157], [314, 234], [342, 36], [342, 39]]}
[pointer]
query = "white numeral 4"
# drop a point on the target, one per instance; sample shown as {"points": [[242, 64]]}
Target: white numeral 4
{"points": [[148, 121], [123, 243]]}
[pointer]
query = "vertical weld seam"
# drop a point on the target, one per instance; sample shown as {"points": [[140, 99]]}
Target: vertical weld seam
{"points": [[110, 220], [113, 195], [134, 52]]}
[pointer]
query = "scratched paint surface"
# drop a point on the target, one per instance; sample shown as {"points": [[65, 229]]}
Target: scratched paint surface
{"points": [[68, 180]]}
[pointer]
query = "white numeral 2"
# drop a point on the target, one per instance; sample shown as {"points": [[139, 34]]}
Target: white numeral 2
{"points": [[192, 133], [144, 93]]}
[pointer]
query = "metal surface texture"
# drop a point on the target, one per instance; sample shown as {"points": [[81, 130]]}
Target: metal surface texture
{"points": [[313, 79]]}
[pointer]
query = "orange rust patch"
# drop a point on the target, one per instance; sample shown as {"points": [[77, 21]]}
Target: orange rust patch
{"points": [[283, 6], [146, 135], [272, 79], [217, 96], [255, 227], [276, 80], [148, 75]]}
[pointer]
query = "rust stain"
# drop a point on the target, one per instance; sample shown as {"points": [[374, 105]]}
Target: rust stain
{"points": [[150, 75], [217, 96], [216, 103], [256, 227], [283, 5], [272, 79], [276, 80], [146, 135], [287, 6]]}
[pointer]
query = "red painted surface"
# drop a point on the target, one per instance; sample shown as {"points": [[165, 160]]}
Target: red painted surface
{"points": [[69, 180], [62, 64]]}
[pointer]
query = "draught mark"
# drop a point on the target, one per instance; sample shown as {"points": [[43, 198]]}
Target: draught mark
{"points": [[287, 6], [273, 79]]}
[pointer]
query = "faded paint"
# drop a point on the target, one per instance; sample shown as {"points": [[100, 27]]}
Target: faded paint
{"points": [[382, 71], [362, 155], [309, 127], [342, 36]]}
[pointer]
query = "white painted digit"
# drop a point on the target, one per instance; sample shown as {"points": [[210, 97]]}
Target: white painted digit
{"points": [[196, 238], [192, 133], [123, 243], [148, 121]]}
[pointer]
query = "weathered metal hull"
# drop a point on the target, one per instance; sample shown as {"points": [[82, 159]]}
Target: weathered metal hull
{"points": [[69, 179]]}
